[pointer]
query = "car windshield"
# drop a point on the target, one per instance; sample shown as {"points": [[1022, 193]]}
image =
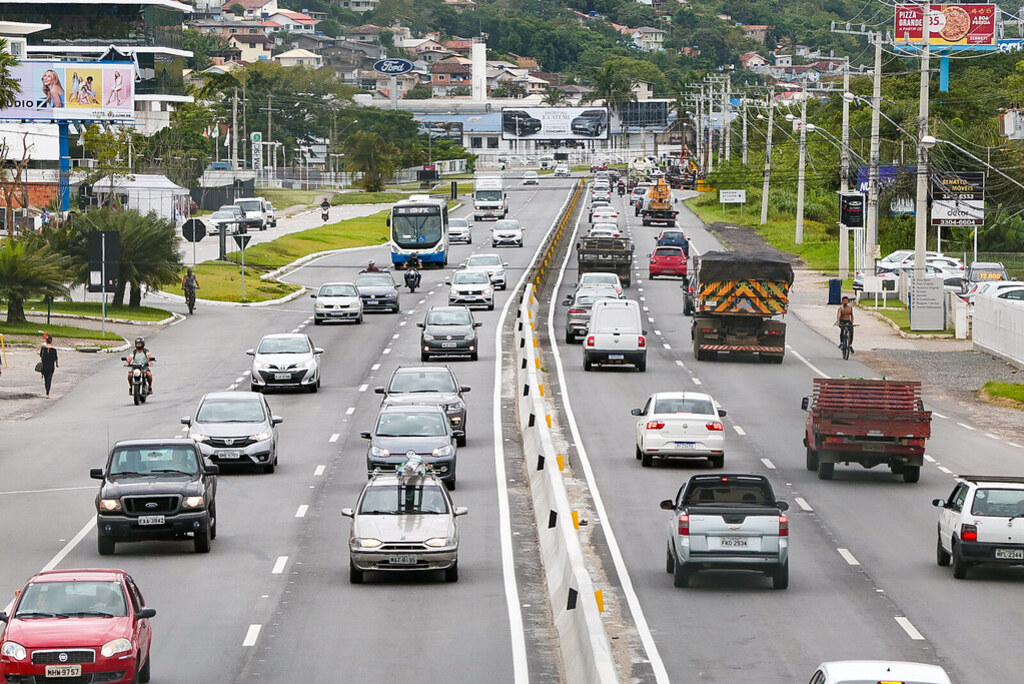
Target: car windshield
{"points": [[672, 235], [733, 493], [1000, 503], [72, 599], [609, 278], [449, 317], [250, 205], [231, 411], [394, 424], [154, 460], [338, 291], [283, 345], [506, 224], [458, 223], [668, 251], [375, 280], [222, 214], [484, 260], [463, 277], [403, 499], [684, 405], [421, 381], [589, 299]]}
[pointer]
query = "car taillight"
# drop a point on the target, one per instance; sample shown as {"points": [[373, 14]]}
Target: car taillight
{"points": [[783, 526], [590, 341], [577, 311], [684, 524], [715, 426], [641, 341], [968, 532], [655, 425]]}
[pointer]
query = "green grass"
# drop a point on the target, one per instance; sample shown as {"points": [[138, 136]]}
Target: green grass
{"points": [[132, 313], [897, 312], [22, 332], [286, 197], [386, 197], [222, 282], [1005, 390]]}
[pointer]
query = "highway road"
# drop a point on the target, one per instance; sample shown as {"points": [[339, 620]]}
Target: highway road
{"points": [[864, 583]]}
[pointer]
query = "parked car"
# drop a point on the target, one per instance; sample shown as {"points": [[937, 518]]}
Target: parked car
{"points": [[580, 306], [491, 263], [680, 425], [858, 671], [986, 270], [459, 230], [531, 178], [976, 523], [235, 427], [507, 232], [470, 287], [77, 625], [428, 385], [615, 335], [404, 523], [449, 331], [667, 261], [901, 257], [562, 171], [285, 360], [401, 432], [337, 302], [378, 291]]}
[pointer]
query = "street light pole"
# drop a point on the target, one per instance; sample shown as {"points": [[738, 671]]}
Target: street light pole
{"points": [[921, 215], [744, 109], [844, 173], [871, 238], [800, 176], [768, 157]]}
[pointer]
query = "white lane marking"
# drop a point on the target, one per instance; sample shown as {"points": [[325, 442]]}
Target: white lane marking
{"points": [[739, 430], [295, 330], [657, 332], [990, 435], [251, 635], [68, 548], [403, 323], [319, 470], [929, 458], [1014, 445], [184, 428], [395, 336], [807, 363], [362, 388], [240, 380], [650, 319], [246, 373], [334, 438], [279, 565], [376, 366], [635, 608], [301, 512], [696, 381], [647, 308], [386, 351], [768, 463], [966, 426], [666, 345], [946, 470], [802, 504], [680, 363], [848, 557], [350, 410], [231, 387], [909, 629], [938, 415], [421, 301]]}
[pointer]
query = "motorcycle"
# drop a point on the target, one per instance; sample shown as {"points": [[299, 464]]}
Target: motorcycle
{"points": [[622, 188], [412, 279], [325, 214], [140, 387]]}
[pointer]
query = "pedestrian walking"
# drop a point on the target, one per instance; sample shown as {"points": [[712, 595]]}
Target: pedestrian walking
{"points": [[48, 362]]}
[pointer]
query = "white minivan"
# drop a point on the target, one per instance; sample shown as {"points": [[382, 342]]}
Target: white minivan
{"points": [[256, 212], [615, 335]]}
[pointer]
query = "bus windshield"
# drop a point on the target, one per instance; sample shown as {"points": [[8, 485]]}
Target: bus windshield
{"points": [[416, 231]]}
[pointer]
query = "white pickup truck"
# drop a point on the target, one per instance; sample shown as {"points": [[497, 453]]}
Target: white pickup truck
{"points": [[728, 522], [982, 522]]}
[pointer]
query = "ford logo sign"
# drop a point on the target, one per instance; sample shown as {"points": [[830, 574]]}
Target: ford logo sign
{"points": [[393, 66], [151, 504]]}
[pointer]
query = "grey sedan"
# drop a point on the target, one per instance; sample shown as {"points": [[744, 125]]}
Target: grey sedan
{"points": [[449, 331], [402, 432], [427, 385], [235, 427], [378, 291]]}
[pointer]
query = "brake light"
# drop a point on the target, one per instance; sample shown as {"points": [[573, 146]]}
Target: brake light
{"points": [[655, 425], [783, 526], [590, 341], [968, 532], [707, 330], [684, 524], [641, 342], [715, 426], [577, 311]]}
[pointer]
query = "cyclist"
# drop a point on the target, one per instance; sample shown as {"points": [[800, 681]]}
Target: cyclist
{"points": [[190, 284], [844, 319]]}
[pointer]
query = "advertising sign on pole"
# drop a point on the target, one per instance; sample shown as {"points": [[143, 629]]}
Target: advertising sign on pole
{"points": [[956, 26], [554, 123], [73, 91], [958, 198], [851, 210]]}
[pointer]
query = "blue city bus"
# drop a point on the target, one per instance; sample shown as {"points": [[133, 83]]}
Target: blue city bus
{"points": [[419, 225]]}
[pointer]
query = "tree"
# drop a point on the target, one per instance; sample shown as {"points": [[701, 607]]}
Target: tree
{"points": [[237, 9], [611, 86], [418, 92], [373, 156], [9, 86], [203, 45], [29, 268], [13, 186], [553, 96]]}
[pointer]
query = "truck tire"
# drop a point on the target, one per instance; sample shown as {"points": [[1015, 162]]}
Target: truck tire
{"points": [[911, 473], [941, 557], [825, 470], [812, 459], [627, 282], [680, 575], [959, 564], [780, 578], [646, 222], [641, 365]]}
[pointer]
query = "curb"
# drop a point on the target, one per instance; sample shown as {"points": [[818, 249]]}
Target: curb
{"points": [[120, 321], [906, 335]]}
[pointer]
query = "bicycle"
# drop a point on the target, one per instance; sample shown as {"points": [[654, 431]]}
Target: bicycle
{"points": [[845, 338], [190, 298]]}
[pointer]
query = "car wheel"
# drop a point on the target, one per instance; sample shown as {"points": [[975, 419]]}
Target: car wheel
{"points": [[469, 241], [213, 522], [959, 564], [911, 473], [451, 574], [355, 575], [460, 441], [646, 460], [490, 307], [474, 356], [503, 287], [941, 557], [680, 575], [450, 484], [587, 365], [105, 545], [780, 578], [493, 245], [569, 337], [314, 387], [143, 675], [253, 388], [825, 470], [201, 542], [717, 461], [641, 365], [424, 357], [270, 467], [670, 561], [639, 454], [812, 459]]}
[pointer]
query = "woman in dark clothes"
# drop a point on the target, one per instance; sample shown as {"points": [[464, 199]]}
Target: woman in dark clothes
{"points": [[48, 357]]}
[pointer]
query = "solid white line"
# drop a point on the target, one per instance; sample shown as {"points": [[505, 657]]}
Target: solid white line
{"points": [[696, 381], [301, 512], [909, 629], [350, 410], [232, 387], [946, 470], [966, 426], [1014, 445], [47, 491], [334, 438], [246, 373], [990, 435], [768, 464], [739, 430], [807, 363], [62, 554], [240, 380], [279, 565], [644, 631], [362, 388], [929, 458], [319, 470], [938, 415], [802, 504], [251, 635], [848, 557]]}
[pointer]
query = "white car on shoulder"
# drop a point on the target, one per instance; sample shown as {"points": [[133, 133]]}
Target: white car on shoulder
{"points": [[889, 671], [976, 523], [680, 425]]}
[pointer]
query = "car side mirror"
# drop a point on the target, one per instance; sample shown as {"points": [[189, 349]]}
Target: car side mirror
{"points": [[312, 296], [649, 256], [636, 412], [574, 285], [419, 325], [477, 324], [3, 617], [644, 333], [146, 613], [364, 435], [348, 512], [211, 469], [782, 505], [721, 413], [805, 402], [460, 510], [250, 352], [96, 473], [668, 505], [378, 390], [458, 434], [465, 388], [447, 282], [318, 350], [938, 503], [567, 302], [276, 420], [186, 420]]}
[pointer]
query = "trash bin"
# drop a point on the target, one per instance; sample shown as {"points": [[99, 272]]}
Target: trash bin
{"points": [[835, 291]]}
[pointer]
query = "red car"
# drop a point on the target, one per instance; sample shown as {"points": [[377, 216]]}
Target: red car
{"points": [[75, 626], [667, 261]]}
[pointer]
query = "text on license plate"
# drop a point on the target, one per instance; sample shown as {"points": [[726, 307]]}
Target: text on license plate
{"points": [[1010, 554], [615, 357], [232, 453], [402, 560], [151, 520], [734, 542], [873, 447], [448, 345], [684, 445], [282, 376], [63, 670], [371, 301]]}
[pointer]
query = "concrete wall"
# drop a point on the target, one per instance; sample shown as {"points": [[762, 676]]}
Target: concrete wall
{"points": [[998, 328]]}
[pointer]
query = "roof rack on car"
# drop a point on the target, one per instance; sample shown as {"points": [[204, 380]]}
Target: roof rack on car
{"points": [[1009, 479]]}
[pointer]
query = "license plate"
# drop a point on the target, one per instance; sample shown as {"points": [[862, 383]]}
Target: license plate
{"points": [[63, 670], [151, 520], [873, 447], [734, 542], [232, 453], [448, 345], [685, 445], [615, 357], [282, 376], [402, 560], [1010, 554], [372, 301]]}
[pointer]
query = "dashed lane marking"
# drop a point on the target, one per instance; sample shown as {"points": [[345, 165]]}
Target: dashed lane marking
{"points": [[376, 366], [421, 301], [802, 504], [680, 363], [966, 426], [666, 345], [334, 438], [301, 512], [386, 351], [362, 388], [768, 463], [657, 332], [848, 557], [739, 430], [350, 410], [251, 635], [650, 319], [929, 458], [909, 628], [279, 565], [696, 381], [247, 373], [938, 415], [319, 470], [946, 470], [395, 336], [403, 323]]}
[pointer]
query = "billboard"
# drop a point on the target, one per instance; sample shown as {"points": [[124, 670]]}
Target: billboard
{"points": [[554, 123], [73, 91], [958, 198], [966, 26], [644, 113]]}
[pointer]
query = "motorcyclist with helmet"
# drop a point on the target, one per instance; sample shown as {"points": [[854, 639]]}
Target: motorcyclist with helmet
{"points": [[412, 273], [140, 356]]}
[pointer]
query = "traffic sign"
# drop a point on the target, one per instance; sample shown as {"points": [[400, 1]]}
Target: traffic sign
{"points": [[241, 239], [194, 230]]}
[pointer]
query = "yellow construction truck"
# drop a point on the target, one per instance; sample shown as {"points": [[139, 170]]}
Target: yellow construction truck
{"points": [[738, 298], [656, 206]]}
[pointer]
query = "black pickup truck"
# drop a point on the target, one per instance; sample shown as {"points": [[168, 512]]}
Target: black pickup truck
{"points": [[156, 490], [605, 255]]}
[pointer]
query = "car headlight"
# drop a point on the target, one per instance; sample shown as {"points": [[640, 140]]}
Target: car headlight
{"points": [[438, 542], [455, 406], [110, 505], [13, 650], [470, 336], [260, 365], [366, 542], [263, 436], [197, 436], [193, 502], [116, 646], [446, 450], [319, 305], [427, 337], [488, 291], [304, 364], [379, 452]]}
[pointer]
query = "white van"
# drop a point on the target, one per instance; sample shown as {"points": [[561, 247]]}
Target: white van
{"points": [[256, 212], [547, 162], [615, 335]]}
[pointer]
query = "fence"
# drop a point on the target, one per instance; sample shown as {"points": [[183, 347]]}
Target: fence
{"points": [[998, 328]]}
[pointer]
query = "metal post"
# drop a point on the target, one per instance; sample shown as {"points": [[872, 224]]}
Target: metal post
{"points": [[800, 178], [103, 278], [876, 109], [727, 114], [710, 111], [921, 217], [243, 272], [844, 232], [768, 157], [234, 131], [744, 131]]}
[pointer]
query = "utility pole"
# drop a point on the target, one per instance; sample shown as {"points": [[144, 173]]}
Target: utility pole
{"points": [[768, 157], [800, 170], [722, 126], [921, 216], [871, 238], [245, 127], [844, 173], [727, 113], [710, 111], [744, 102], [234, 131]]}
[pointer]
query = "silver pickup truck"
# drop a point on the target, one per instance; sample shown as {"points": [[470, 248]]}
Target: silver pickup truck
{"points": [[728, 522]]}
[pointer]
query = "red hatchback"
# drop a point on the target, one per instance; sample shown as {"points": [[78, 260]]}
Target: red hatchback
{"points": [[668, 261], [76, 626]]}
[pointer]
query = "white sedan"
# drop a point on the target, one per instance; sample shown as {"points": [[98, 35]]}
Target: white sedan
{"points": [[604, 215], [605, 230], [680, 425], [337, 302], [857, 671]]}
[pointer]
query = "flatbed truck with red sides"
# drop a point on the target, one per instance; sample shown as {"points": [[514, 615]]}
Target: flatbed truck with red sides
{"points": [[868, 422]]}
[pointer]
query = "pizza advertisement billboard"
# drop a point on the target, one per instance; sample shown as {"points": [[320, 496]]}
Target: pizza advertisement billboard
{"points": [[554, 123], [957, 26], [73, 91]]}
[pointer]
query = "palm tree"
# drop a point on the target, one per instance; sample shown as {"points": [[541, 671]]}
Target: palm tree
{"points": [[373, 156], [29, 268], [553, 96], [9, 86], [611, 86]]}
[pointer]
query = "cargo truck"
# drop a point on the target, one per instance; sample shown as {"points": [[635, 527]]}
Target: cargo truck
{"points": [[489, 198], [738, 297], [605, 255], [657, 205]]}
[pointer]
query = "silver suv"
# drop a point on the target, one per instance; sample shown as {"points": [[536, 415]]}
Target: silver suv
{"points": [[404, 521]]}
